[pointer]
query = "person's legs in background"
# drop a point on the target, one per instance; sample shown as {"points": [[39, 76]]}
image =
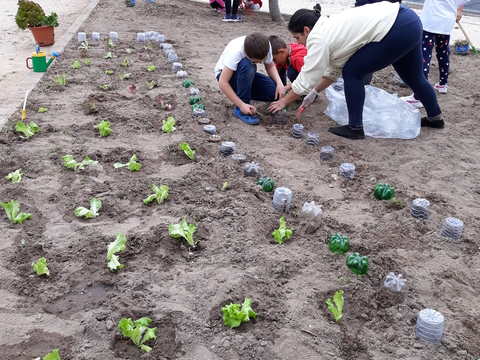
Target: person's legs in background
{"points": [[231, 11], [282, 72], [442, 48], [292, 74]]}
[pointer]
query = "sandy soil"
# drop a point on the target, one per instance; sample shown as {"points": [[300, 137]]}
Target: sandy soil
{"points": [[78, 307]]}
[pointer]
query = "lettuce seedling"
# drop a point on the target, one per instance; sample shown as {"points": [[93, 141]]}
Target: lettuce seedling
{"points": [[104, 128], [114, 247], [163, 106], [76, 64], [135, 331], [151, 84], [42, 110], [124, 76], [110, 56], [84, 46], [128, 51], [225, 184], [12, 208], [338, 300], [105, 86], [186, 149], [110, 42], [282, 232], [160, 194], [109, 72], [183, 230], [87, 62], [41, 267], [233, 317], [16, 176], [151, 68], [95, 205], [51, 356], [27, 130], [72, 164], [148, 47], [61, 79], [126, 62], [133, 165], [169, 125]]}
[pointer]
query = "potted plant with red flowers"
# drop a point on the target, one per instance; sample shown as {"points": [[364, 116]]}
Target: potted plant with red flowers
{"points": [[31, 15]]}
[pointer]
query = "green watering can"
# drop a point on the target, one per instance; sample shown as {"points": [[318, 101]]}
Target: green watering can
{"points": [[39, 60]]}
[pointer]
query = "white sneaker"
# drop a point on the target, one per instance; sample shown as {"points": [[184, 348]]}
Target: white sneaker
{"points": [[441, 88], [412, 101]]}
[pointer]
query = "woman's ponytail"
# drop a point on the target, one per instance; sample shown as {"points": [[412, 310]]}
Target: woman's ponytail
{"points": [[304, 17]]}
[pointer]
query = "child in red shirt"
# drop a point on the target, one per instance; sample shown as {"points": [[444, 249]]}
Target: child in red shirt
{"points": [[287, 58]]}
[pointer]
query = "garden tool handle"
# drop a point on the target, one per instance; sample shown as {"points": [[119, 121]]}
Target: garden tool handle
{"points": [[27, 63], [464, 33]]}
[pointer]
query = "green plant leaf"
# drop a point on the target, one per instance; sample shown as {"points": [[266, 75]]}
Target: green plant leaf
{"points": [[160, 194], [225, 184], [87, 62], [27, 130], [114, 264], [126, 62], [151, 68], [105, 86], [16, 176], [41, 267], [282, 232], [109, 72], [61, 79], [338, 300], [186, 149], [169, 125], [110, 42], [12, 208], [117, 245], [132, 165], [128, 51], [182, 230], [42, 110], [135, 331], [104, 128], [149, 334], [233, 317], [76, 64], [52, 356], [109, 55], [72, 164], [95, 205]]}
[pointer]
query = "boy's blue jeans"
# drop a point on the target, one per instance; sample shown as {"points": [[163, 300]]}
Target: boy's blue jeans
{"points": [[291, 73], [250, 85]]}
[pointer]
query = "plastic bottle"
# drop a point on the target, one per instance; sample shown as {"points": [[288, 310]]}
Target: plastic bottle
{"points": [[194, 91], [394, 283], [177, 66], [239, 157], [95, 36], [313, 138], [297, 130], [420, 208], [452, 228], [311, 212], [327, 153], [227, 148], [140, 37], [211, 129], [280, 117], [198, 112], [172, 57], [167, 46], [347, 170], [114, 35], [251, 169], [181, 74], [282, 198], [430, 324], [82, 36]]}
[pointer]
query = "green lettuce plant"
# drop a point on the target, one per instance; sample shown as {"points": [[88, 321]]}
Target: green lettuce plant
{"points": [[109, 72], [95, 205], [110, 42], [133, 165], [110, 56], [160, 194], [27, 130], [42, 110], [233, 317], [87, 62], [114, 247], [151, 68], [125, 61], [12, 208], [183, 230], [338, 300], [72, 164], [16, 176], [169, 125], [41, 267], [186, 149], [51, 356], [134, 331], [105, 86], [76, 64], [281, 232], [104, 128], [61, 79]]}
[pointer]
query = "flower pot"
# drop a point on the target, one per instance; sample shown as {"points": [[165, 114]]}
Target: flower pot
{"points": [[43, 35], [462, 49]]}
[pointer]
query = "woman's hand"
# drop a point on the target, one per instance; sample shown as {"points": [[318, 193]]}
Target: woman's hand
{"points": [[248, 109], [277, 105]]}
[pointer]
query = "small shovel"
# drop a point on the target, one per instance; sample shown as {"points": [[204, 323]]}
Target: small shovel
{"points": [[302, 108], [24, 104], [464, 33]]}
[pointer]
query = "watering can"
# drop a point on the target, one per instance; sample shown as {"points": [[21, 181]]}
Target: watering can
{"points": [[39, 60]]}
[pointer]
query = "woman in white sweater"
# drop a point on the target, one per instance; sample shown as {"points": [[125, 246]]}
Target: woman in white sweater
{"points": [[352, 44]]}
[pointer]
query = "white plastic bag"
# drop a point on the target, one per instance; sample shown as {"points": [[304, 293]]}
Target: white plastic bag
{"points": [[384, 115]]}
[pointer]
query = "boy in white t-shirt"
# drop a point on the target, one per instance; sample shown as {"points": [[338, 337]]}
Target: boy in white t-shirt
{"points": [[236, 72], [438, 18]]}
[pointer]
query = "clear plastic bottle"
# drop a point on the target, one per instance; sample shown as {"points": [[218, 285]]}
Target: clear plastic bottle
{"points": [[327, 153], [394, 283], [239, 157], [177, 66], [313, 138], [251, 169], [311, 213], [297, 130], [114, 36], [227, 148], [430, 324], [347, 170], [280, 117], [167, 46], [95, 36], [452, 228], [198, 112], [140, 37], [181, 74], [420, 208], [194, 91], [160, 38], [282, 198], [172, 57], [82, 37], [211, 129]]}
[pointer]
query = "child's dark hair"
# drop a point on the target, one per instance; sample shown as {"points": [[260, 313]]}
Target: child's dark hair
{"points": [[304, 17], [256, 46], [277, 43]]}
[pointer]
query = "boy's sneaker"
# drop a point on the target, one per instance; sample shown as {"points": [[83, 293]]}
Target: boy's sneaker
{"points": [[247, 119], [412, 101], [236, 18], [441, 88], [227, 18]]}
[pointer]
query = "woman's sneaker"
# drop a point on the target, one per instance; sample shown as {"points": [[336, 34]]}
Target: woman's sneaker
{"points": [[441, 88], [227, 18], [412, 101], [236, 18]]}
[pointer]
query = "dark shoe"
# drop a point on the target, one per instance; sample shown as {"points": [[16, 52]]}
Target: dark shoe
{"points": [[346, 132], [247, 119], [438, 124]]}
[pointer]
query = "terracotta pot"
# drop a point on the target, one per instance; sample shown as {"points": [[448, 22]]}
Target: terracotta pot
{"points": [[43, 35]]}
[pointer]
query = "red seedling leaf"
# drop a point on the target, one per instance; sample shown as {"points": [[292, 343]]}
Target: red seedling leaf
{"points": [[160, 99], [132, 88]]}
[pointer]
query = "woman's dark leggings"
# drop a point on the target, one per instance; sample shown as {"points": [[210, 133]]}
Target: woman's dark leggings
{"points": [[402, 48], [228, 7]]}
